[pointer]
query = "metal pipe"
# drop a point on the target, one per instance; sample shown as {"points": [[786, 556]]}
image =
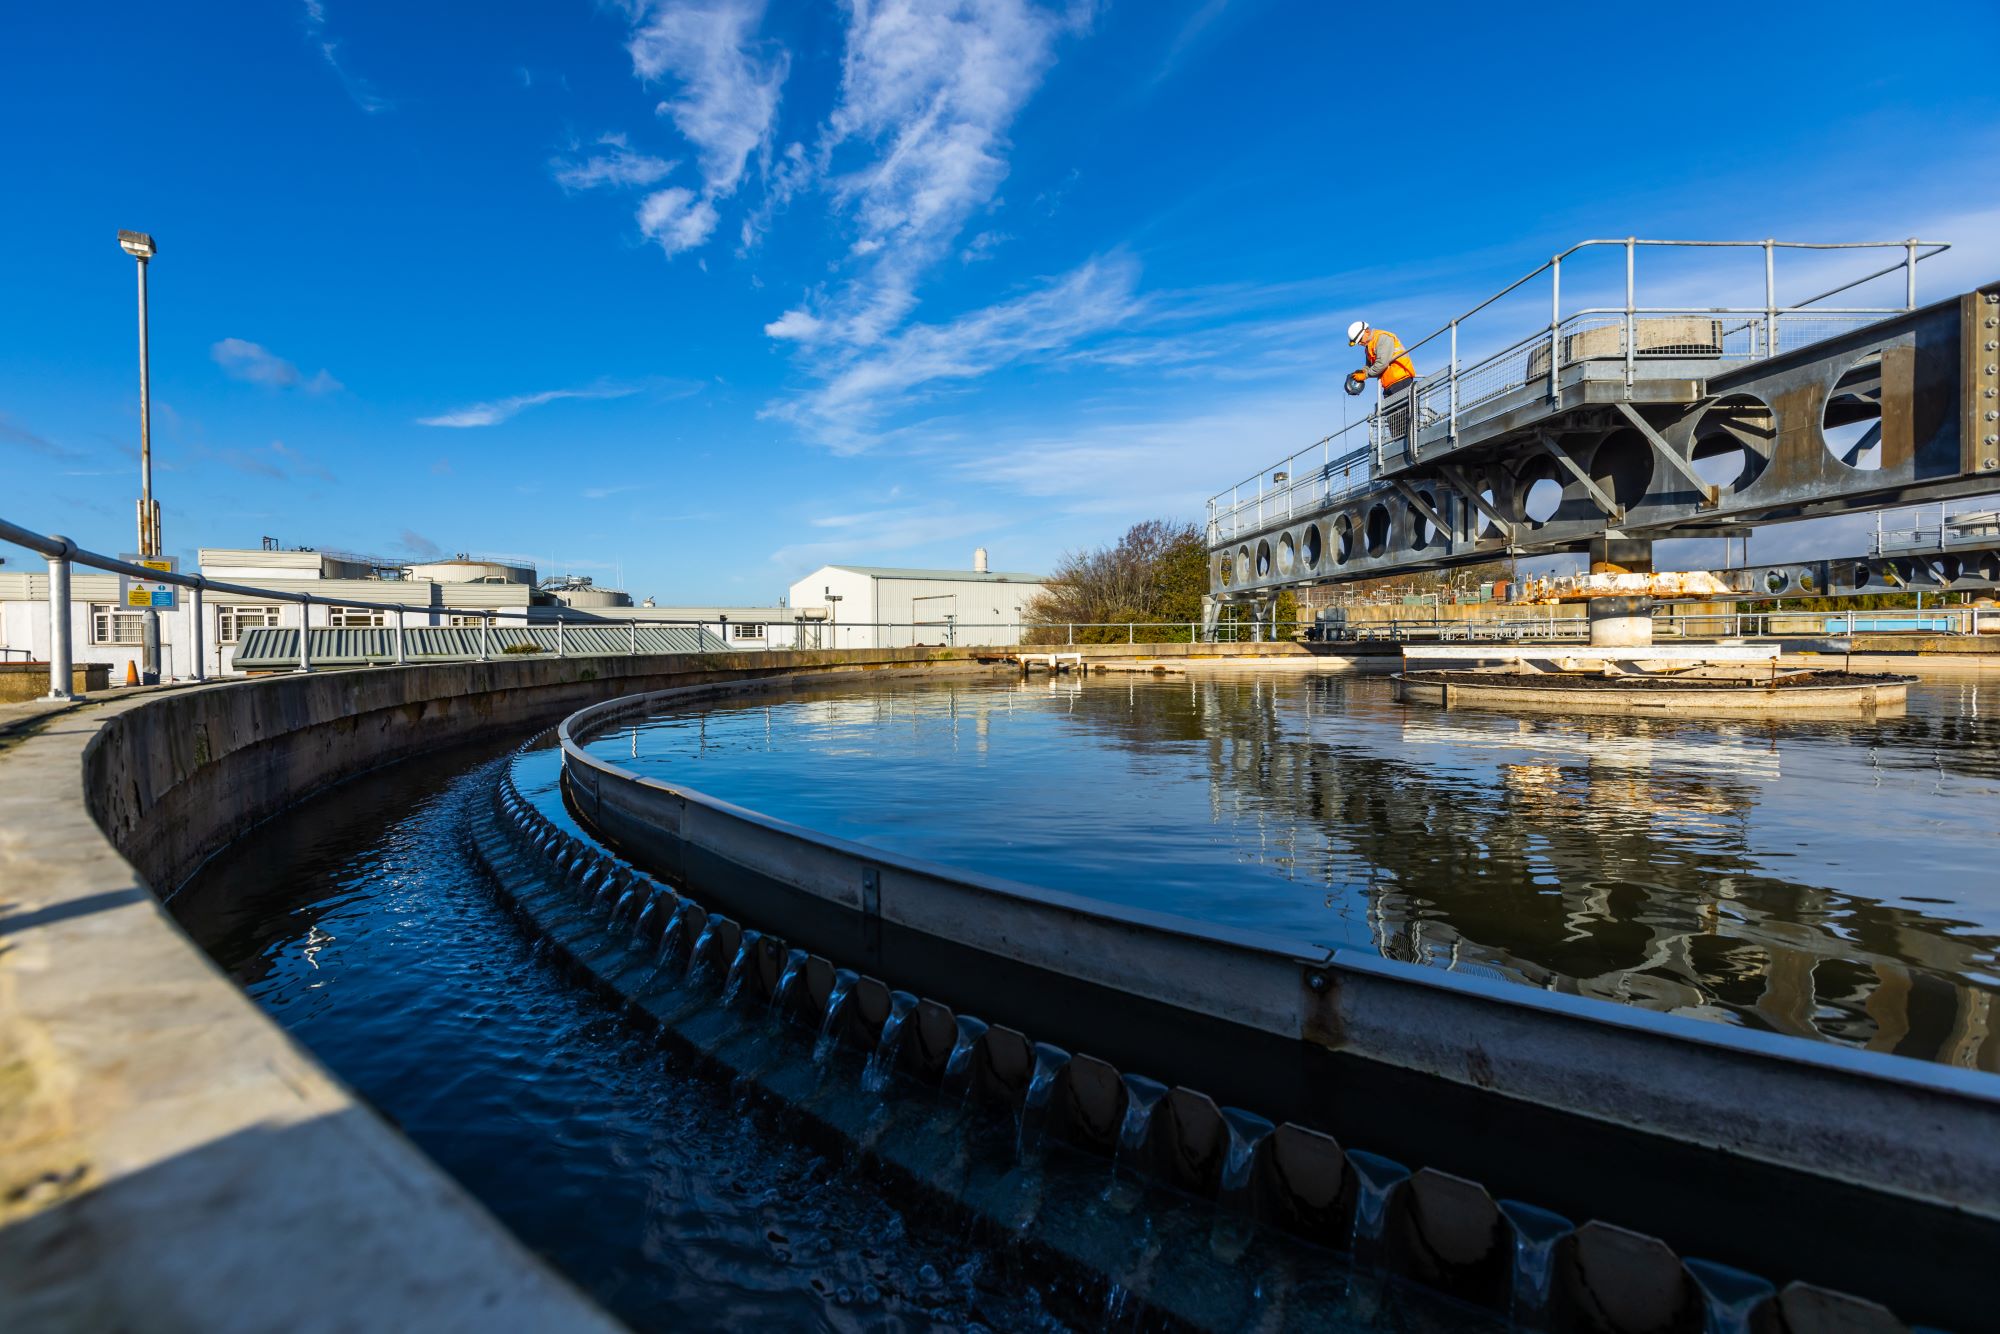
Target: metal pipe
{"points": [[1910, 274], [61, 679], [305, 635], [399, 637], [635, 639], [485, 629], [559, 637]]}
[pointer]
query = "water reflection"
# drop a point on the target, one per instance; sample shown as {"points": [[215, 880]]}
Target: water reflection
{"points": [[1827, 879]]}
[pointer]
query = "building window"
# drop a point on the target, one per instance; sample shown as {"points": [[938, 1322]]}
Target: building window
{"points": [[460, 618], [115, 625], [353, 618], [744, 631], [232, 621]]}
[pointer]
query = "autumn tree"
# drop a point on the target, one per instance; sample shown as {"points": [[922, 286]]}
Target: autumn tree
{"points": [[1155, 576]]}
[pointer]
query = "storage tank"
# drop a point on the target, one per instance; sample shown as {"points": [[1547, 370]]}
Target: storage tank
{"points": [[462, 569], [979, 560], [591, 597]]}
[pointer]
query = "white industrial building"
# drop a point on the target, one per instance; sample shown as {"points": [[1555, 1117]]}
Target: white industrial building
{"points": [[881, 606]]}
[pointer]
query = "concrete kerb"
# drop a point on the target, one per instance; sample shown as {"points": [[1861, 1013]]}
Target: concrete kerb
{"points": [[170, 1158]]}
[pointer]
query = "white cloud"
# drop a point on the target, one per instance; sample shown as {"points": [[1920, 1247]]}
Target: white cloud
{"points": [[676, 219], [728, 88], [929, 89], [241, 359], [620, 168], [357, 89], [502, 409], [876, 533], [797, 325], [861, 389], [867, 387]]}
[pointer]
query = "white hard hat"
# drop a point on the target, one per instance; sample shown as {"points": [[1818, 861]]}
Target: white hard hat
{"points": [[1355, 330]]}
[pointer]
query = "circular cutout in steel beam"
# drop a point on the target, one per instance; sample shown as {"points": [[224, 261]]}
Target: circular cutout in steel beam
{"points": [[1313, 546], [1343, 533], [1851, 422], [1733, 441], [1288, 554], [1264, 560], [1377, 534]]}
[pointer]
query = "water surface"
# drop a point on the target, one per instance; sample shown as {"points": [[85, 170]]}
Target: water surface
{"points": [[1832, 879]]}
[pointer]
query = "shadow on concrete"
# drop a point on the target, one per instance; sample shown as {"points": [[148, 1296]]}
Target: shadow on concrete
{"points": [[233, 1234], [12, 923]]}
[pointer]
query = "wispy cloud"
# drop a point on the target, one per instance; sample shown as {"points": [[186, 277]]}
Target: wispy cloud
{"points": [[676, 219], [241, 359], [358, 90], [883, 531], [724, 103], [862, 389], [619, 167], [277, 460], [606, 492], [928, 93], [504, 409], [416, 544], [13, 433]]}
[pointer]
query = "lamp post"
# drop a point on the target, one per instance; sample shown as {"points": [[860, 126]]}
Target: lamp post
{"points": [[833, 609], [140, 247]]}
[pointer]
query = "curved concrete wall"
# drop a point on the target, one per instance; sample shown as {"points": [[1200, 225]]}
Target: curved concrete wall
{"points": [[169, 1158], [1710, 1135]]}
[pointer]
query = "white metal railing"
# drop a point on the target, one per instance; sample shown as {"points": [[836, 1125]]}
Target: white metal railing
{"points": [[1455, 394]]}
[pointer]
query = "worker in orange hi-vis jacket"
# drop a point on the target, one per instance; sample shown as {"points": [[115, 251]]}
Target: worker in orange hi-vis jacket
{"points": [[1387, 362]]}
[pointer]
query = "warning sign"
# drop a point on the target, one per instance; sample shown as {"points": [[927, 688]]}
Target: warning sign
{"points": [[139, 592]]}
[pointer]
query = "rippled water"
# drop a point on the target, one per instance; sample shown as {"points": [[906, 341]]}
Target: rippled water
{"points": [[1832, 879], [360, 923]]}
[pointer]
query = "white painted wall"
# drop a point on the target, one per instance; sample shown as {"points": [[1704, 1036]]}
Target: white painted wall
{"points": [[896, 611]]}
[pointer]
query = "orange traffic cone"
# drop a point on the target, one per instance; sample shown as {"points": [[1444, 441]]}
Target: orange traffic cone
{"points": [[131, 672]]}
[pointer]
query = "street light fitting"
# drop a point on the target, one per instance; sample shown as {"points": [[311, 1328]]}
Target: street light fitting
{"points": [[137, 244]]}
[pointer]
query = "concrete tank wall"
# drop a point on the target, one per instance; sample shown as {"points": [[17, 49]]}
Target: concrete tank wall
{"points": [[170, 1158]]}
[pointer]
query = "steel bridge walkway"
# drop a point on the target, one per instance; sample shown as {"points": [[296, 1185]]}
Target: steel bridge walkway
{"points": [[1649, 423]]}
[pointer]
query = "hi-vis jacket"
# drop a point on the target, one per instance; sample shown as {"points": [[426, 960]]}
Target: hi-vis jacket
{"points": [[1387, 359]]}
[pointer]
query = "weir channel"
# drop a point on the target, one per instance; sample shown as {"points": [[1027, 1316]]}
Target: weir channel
{"points": [[1401, 1119]]}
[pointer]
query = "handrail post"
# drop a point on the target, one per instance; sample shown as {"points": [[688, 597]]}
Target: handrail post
{"points": [[559, 636], [1910, 273], [399, 637], [1631, 310], [1770, 298], [1454, 382], [485, 630], [1555, 321], [305, 635], [195, 614], [635, 639], [62, 679]]}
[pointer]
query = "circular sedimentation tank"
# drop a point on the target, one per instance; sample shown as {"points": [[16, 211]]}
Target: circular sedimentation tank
{"points": [[1143, 1118]]}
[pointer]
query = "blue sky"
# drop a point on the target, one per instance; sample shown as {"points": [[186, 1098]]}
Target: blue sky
{"points": [[707, 293]]}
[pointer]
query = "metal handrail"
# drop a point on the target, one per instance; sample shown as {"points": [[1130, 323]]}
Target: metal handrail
{"points": [[1232, 504]]}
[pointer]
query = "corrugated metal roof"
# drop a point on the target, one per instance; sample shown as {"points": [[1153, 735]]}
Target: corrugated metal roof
{"points": [[270, 647], [947, 576]]}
